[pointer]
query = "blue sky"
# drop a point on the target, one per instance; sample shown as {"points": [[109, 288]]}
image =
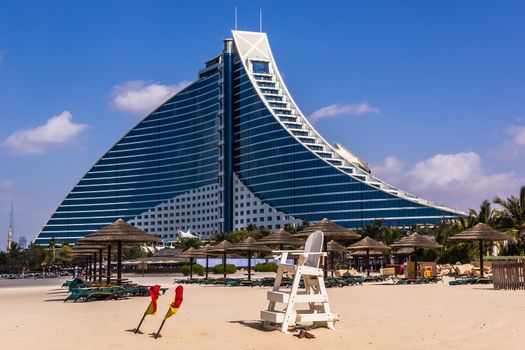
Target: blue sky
{"points": [[430, 93]]}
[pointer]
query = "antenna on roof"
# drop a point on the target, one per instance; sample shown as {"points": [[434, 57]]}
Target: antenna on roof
{"points": [[235, 17], [260, 20]]}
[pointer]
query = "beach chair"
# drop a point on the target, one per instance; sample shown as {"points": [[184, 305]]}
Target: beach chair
{"points": [[314, 291], [90, 294]]}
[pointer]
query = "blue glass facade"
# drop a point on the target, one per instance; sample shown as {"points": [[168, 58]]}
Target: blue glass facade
{"points": [[173, 150], [237, 121], [287, 175]]}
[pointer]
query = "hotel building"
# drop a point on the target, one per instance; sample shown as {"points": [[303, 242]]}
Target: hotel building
{"points": [[229, 150]]}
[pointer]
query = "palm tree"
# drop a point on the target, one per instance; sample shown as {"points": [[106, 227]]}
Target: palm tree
{"points": [[373, 230], [390, 234], [485, 215], [443, 231], [513, 214]]}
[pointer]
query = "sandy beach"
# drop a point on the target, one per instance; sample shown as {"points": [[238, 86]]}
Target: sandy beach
{"points": [[372, 316]]}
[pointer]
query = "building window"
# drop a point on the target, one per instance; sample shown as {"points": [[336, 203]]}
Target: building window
{"points": [[260, 67]]}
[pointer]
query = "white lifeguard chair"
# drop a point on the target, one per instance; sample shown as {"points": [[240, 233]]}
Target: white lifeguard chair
{"points": [[314, 291]]}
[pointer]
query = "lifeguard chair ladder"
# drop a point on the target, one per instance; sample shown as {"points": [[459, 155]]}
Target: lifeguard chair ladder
{"points": [[313, 293]]}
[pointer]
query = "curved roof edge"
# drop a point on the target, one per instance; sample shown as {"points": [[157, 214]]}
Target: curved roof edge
{"points": [[255, 46]]}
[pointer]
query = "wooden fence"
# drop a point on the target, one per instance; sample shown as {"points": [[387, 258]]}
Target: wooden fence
{"points": [[509, 274]]}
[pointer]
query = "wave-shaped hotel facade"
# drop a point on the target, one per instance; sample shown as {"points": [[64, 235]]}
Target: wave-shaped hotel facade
{"points": [[230, 150]]}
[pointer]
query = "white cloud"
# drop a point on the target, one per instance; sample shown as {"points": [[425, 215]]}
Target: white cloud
{"points": [[58, 131], [139, 97], [390, 166], [457, 180], [513, 146], [336, 110], [518, 135]]}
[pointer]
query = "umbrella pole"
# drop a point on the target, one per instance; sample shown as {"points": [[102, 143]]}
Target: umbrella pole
{"points": [[206, 266], [368, 262], [100, 266], [415, 262], [224, 265], [481, 258], [325, 259], [119, 262], [92, 269], [88, 268], [108, 278], [249, 265], [332, 262]]}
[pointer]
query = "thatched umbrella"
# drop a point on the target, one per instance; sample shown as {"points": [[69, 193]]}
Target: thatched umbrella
{"points": [[415, 241], [249, 246], [367, 244], [363, 253], [220, 249], [333, 247], [481, 232], [90, 256], [281, 238], [331, 231], [191, 253], [119, 233], [80, 245], [204, 251]]}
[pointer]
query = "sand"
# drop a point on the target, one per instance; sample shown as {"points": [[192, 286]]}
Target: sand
{"points": [[439, 316]]}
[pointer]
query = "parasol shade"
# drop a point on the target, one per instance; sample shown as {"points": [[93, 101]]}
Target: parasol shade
{"points": [[331, 231], [368, 243], [282, 238]]}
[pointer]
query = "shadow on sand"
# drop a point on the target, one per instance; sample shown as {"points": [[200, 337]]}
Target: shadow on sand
{"points": [[55, 300], [133, 331], [64, 292], [254, 324]]}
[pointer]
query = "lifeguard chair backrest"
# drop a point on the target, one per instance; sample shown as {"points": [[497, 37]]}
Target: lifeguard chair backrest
{"points": [[314, 244]]}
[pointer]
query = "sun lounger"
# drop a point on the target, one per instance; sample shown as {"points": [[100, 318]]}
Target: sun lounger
{"points": [[459, 281], [90, 294]]}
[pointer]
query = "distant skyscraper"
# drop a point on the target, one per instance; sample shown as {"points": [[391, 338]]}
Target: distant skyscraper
{"points": [[10, 231], [230, 150]]}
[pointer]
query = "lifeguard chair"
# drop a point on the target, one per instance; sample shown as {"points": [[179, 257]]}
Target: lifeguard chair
{"points": [[313, 291]]}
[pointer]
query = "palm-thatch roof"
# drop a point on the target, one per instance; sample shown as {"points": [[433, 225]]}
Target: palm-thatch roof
{"points": [[481, 232], [368, 243], [331, 231], [415, 240], [333, 246], [363, 253], [191, 253], [249, 245], [281, 237], [120, 231], [220, 248]]}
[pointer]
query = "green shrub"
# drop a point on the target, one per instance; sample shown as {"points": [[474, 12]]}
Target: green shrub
{"points": [[453, 254], [266, 267], [218, 269], [197, 269]]}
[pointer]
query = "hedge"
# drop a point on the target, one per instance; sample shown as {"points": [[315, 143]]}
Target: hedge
{"points": [[230, 268]]}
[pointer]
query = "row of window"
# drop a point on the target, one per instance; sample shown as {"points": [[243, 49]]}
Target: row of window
{"points": [[278, 168], [170, 152]]}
